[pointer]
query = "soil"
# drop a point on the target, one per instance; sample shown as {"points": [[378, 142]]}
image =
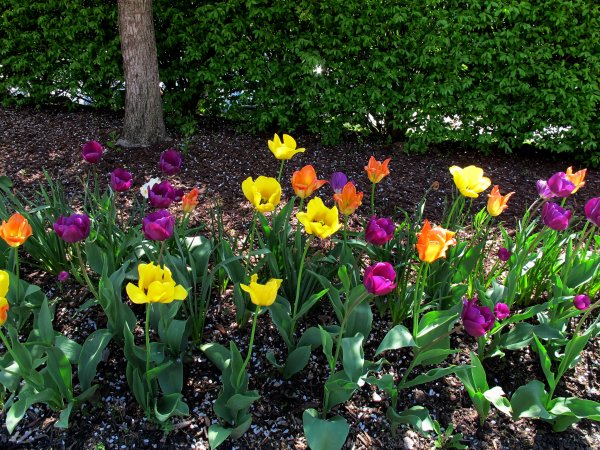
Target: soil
{"points": [[217, 159]]}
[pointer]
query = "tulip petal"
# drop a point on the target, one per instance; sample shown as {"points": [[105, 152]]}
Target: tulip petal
{"points": [[136, 295]]}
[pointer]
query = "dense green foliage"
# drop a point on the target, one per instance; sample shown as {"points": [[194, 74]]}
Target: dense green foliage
{"points": [[508, 72]]}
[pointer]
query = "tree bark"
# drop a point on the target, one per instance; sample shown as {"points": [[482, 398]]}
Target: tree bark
{"points": [[144, 124]]}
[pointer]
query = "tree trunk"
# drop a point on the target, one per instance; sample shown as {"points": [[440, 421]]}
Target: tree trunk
{"points": [[144, 124]]}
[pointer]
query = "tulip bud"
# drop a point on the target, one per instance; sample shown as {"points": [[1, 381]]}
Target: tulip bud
{"points": [[379, 278]]}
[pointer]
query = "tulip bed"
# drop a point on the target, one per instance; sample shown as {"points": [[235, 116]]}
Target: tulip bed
{"points": [[366, 305]]}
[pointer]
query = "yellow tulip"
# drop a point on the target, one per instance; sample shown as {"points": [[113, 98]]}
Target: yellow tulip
{"points": [[262, 294], [264, 193], [319, 219], [4, 282], [285, 149], [155, 285], [3, 310], [470, 180]]}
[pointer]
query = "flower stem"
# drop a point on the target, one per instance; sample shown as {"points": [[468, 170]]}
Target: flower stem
{"points": [[17, 271], [251, 243], [280, 171], [250, 344], [345, 229], [84, 271], [417, 297], [147, 335], [372, 199], [298, 282]]}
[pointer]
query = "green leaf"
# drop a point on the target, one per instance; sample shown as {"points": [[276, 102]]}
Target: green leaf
{"points": [[312, 337], [360, 320], [44, 324], [296, 361], [170, 405], [433, 375], [353, 356], [530, 401], [218, 354], [545, 362], [397, 337], [63, 419], [497, 397], [324, 434], [217, 434], [308, 304], [240, 402], [60, 370], [327, 344], [572, 352], [91, 354], [417, 416]]}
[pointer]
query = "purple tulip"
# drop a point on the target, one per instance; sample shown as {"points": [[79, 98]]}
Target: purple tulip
{"points": [[63, 276], [581, 302], [72, 229], [592, 210], [170, 161], [504, 254], [477, 320], [158, 226], [92, 151], [555, 217], [543, 190], [501, 311], [560, 185], [379, 231], [379, 278], [161, 195], [120, 180], [337, 181]]}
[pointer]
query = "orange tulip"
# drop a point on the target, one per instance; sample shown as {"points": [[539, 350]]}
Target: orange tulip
{"points": [[304, 181], [349, 199], [433, 242], [496, 202], [576, 178], [16, 231], [377, 170], [3, 310], [190, 200]]}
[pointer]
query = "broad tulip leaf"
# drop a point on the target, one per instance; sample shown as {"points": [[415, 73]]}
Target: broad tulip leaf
{"points": [[60, 370], [433, 375], [417, 416], [296, 361], [217, 434], [497, 397], [217, 354], [324, 434], [44, 324], [239, 402], [90, 356], [353, 356], [360, 320], [397, 337], [530, 401], [63, 419], [170, 405]]}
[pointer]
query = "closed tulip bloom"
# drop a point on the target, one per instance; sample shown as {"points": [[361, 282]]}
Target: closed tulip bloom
{"points": [[262, 294], [63, 276], [433, 242], [379, 278], [560, 185], [92, 151], [285, 149], [470, 180], [16, 231], [264, 193], [379, 231], [576, 178], [162, 194], [190, 200], [120, 180], [4, 283], [72, 229], [170, 161], [158, 225], [555, 217], [543, 190], [477, 320], [155, 285], [501, 311], [503, 254], [348, 200], [305, 183], [592, 210], [376, 170], [581, 302], [318, 219], [337, 182], [496, 202]]}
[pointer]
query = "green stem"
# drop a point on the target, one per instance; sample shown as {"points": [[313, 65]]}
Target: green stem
{"points": [[299, 281], [481, 347], [251, 243], [417, 297], [250, 344], [84, 271], [373, 199], [280, 171], [147, 334], [345, 229], [160, 253], [8, 346], [17, 271]]}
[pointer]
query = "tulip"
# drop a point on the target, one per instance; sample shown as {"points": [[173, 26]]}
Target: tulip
{"points": [[559, 185], [155, 285], [337, 181], [501, 311], [190, 201], [170, 161], [147, 186], [286, 149], [348, 200], [72, 229], [16, 231], [4, 283], [581, 302], [379, 231], [379, 278], [592, 210], [264, 193], [496, 202], [576, 178], [543, 190], [120, 180], [158, 225], [477, 320], [262, 294], [63, 276], [318, 219], [162, 194], [304, 182], [3, 310], [470, 180], [504, 254], [555, 217], [376, 170], [433, 242], [92, 151]]}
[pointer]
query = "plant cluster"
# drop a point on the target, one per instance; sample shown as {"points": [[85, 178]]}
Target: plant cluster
{"points": [[430, 281]]}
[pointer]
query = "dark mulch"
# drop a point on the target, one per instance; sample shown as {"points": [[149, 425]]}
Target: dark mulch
{"points": [[219, 159]]}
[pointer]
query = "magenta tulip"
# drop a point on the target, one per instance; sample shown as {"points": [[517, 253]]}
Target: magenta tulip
{"points": [[477, 320], [170, 161], [158, 226], [379, 231], [379, 278], [72, 229], [92, 151], [555, 217], [161, 195], [63, 276], [501, 311], [504, 254], [120, 180], [581, 302], [560, 185], [543, 190], [592, 210]]}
